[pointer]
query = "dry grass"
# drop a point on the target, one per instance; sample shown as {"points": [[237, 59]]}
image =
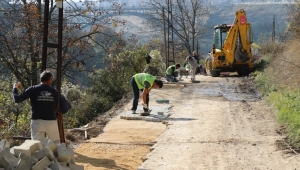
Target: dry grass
{"points": [[286, 66]]}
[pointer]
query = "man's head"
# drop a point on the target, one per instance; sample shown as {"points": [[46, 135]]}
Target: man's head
{"points": [[46, 77], [157, 84], [194, 53], [177, 66]]}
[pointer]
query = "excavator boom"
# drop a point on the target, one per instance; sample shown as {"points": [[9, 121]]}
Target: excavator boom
{"points": [[240, 32]]}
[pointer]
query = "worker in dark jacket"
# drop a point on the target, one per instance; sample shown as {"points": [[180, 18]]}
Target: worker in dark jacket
{"points": [[172, 73], [44, 104], [197, 59]]}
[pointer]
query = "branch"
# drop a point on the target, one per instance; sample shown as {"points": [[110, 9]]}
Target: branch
{"points": [[290, 63]]}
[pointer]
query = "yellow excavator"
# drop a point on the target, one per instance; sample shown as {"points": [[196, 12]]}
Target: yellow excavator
{"points": [[231, 50]]}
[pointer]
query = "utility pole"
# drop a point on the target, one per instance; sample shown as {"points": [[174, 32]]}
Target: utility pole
{"points": [[165, 37], [59, 64], [59, 4], [170, 35], [273, 32], [45, 36]]}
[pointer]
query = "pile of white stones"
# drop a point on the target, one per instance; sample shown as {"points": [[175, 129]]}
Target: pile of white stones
{"points": [[37, 154]]}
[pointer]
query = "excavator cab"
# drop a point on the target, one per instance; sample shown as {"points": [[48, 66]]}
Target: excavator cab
{"points": [[217, 57], [220, 35]]}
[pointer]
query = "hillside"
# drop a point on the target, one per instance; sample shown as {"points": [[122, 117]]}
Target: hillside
{"points": [[259, 15]]}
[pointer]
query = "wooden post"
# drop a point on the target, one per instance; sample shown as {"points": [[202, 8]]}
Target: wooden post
{"points": [[45, 35], [59, 60], [59, 73]]}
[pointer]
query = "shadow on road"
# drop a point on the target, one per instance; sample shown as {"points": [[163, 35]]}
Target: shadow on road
{"points": [[181, 119], [104, 163]]}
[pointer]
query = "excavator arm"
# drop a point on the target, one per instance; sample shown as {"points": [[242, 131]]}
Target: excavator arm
{"points": [[238, 41]]}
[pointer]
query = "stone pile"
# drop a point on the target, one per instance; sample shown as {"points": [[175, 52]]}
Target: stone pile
{"points": [[37, 154]]}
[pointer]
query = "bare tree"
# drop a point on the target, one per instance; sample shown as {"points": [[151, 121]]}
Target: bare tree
{"points": [[293, 19], [85, 36], [188, 19]]}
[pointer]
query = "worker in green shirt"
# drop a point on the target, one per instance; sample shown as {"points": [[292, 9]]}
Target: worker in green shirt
{"points": [[172, 73], [144, 82]]}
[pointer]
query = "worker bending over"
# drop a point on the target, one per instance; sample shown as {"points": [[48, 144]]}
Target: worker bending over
{"points": [[144, 82]]}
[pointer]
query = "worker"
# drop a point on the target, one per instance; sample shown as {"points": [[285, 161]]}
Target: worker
{"points": [[172, 73], [194, 54], [144, 82], [193, 66], [44, 104]]}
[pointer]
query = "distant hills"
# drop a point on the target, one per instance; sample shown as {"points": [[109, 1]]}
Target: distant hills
{"points": [[260, 16]]}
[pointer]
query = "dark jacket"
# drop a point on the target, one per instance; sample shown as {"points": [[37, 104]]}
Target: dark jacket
{"points": [[196, 57], [43, 100]]}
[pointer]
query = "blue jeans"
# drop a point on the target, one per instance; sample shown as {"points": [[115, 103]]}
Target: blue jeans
{"points": [[171, 78], [136, 95]]}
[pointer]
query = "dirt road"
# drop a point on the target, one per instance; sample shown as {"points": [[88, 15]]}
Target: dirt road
{"points": [[218, 123]]}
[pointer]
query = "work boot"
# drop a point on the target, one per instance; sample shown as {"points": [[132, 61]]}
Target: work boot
{"points": [[147, 110]]}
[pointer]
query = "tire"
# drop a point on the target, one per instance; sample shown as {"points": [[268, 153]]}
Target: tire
{"points": [[208, 66], [243, 72]]}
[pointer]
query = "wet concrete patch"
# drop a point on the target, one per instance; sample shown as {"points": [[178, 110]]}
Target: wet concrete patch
{"points": [[158, 113], [232, 92]]}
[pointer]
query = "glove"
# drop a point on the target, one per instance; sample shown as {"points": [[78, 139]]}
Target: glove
{"points": [[145, 106], [17, 85]]}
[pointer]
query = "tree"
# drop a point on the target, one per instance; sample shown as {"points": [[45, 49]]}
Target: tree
{"points": [[188, 18], [21, 30], [293, 19]]}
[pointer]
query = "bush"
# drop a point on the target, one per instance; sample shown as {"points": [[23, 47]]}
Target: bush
{"points": [[263, 83], [86, 109], [70, 91], [287, 104], [14, 118], [262, 63], [156, 67]]}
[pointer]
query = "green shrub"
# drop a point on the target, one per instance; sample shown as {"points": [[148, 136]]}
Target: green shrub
{"points": [[263, 83], [262, 63], [156, 67], [70, 91], [14, 118], [287, 104], [85, 110]]}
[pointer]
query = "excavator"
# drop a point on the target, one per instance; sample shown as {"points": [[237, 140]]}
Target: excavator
{"points": [[231, 49]]}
